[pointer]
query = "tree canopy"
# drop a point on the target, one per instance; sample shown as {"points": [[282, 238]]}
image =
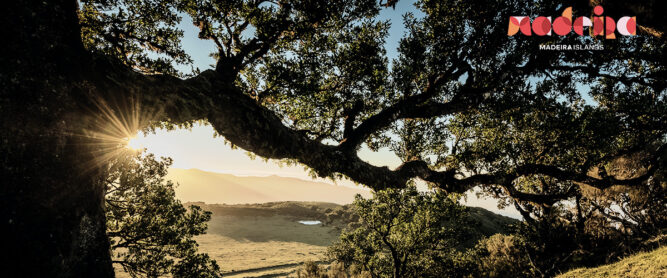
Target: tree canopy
{"points": [[404, 233], [462, 105], [150, 231]]}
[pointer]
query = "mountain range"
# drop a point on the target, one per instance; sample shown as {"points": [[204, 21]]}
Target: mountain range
{"points": [[215, 188]]}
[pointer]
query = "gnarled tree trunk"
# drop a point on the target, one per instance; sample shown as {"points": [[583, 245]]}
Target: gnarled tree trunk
{"points": [[51, 197]]}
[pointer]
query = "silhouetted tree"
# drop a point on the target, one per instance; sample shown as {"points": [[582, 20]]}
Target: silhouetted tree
{"points": [[597, 226], [405, 233], [151, 232]]}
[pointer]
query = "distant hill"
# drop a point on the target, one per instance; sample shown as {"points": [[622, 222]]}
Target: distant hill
{"points": [[215, 188], [644, 265], [266, 240], [490, 223], [338, 216]]}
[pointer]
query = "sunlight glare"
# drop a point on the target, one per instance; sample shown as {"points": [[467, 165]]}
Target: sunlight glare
{"points": [[115, 131], [136, 143]]}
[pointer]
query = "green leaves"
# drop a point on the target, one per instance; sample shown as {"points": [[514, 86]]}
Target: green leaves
{"points": [[404, 233], [462, 100], [151, 232], [316, 80], [143, 34]]}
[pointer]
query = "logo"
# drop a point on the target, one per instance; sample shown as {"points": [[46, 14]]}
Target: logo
{"points": [[563, 25]]}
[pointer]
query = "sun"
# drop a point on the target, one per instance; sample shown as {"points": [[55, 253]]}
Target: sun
{"points": [[116, 130], [136, 143]]}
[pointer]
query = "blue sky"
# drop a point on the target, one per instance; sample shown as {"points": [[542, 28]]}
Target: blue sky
{"points": [[199, 50], [205, 152], [197, 148]]}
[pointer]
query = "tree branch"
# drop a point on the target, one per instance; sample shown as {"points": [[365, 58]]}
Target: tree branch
{"points": [[412, 107], [253, 127]]}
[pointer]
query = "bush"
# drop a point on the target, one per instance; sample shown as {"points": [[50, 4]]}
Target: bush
{"points": [[311, 269], [151, 232], [504, 256], [405, 233]]}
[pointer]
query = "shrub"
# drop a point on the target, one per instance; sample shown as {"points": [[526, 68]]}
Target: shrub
{"points": [[406, 233]]}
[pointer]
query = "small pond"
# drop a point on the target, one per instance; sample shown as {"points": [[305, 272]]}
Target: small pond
{"points": [[310, 222]]}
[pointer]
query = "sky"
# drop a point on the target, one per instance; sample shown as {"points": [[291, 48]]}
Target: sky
{"points": [[198, 148], [199, 50]]}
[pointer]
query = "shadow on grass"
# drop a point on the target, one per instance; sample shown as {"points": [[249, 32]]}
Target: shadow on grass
{"points": [[271, 228]]}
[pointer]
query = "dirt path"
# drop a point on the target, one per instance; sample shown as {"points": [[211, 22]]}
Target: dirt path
{"points": [[268, 268]]}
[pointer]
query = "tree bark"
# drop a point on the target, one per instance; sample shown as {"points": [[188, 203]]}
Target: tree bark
{"points": [[51, 197]]}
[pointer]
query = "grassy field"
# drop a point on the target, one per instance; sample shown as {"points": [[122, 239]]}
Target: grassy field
{"points": [[266, 240], [239, 243], [644, 265]]}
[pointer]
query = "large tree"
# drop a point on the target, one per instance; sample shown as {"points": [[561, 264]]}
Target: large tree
{"points": [[462, 105]]}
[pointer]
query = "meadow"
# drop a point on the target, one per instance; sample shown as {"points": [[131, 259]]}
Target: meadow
{"points": [[266, 240], [644, 264], [263, 245]]}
